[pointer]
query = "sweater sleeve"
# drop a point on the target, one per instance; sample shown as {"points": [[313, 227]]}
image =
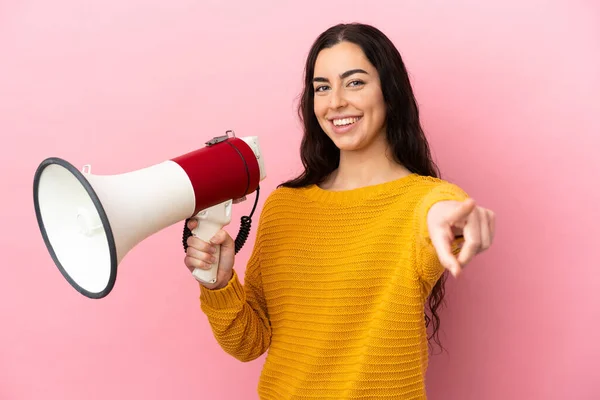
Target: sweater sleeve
{"points": [[238, 313], [429, 267]]}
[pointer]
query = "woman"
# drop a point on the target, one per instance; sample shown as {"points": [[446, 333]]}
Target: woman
{"points": [[349, 254]]}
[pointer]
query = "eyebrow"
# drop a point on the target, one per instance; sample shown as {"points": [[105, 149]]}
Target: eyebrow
{"points": [[342, 76]]}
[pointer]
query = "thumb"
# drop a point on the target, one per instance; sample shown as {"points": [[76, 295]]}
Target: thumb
{"points": [[192, 224], [222, 238]]}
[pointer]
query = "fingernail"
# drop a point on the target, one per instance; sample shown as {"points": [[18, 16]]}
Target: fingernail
{"points": [[213, 249], [212, 259]]}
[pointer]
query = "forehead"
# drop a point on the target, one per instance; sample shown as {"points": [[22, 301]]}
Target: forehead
{"points": [[339, 58]]}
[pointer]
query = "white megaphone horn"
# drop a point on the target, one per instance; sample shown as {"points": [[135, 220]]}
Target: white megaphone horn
{"points": [[90, 222]]}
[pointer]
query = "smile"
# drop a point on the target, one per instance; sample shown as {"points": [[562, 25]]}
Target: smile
{"points": [[345, 121]]}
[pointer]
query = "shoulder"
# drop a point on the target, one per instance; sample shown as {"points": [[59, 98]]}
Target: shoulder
{"points": [[416, 189], [283, 199], [282, 194], [430, 190], [428, 187]]}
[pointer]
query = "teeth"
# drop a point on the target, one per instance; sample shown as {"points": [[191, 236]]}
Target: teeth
{"points": [[344, 121]]}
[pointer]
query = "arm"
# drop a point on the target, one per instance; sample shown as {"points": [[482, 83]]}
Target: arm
{"points": [[238, 313], [429, 266], [446, 214]]}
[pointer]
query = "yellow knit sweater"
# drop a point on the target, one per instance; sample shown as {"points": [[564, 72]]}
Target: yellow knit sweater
{"points": [[335, 290]]}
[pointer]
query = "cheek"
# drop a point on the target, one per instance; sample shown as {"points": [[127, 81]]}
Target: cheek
{"points": [[379, 111], [319, 107], [320, 110], [370, 102]]}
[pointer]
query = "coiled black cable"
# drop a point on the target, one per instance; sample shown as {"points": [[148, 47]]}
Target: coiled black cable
{"points": [[245, 225], [242, 235]]}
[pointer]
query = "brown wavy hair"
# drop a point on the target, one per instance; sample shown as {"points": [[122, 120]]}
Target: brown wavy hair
{"points": [[319, 155]]}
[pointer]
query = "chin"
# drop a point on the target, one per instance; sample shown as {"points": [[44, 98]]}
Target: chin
{"points": [[348, 144]]}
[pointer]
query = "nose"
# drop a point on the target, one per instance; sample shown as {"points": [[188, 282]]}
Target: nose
{"points": [[337, 99]]}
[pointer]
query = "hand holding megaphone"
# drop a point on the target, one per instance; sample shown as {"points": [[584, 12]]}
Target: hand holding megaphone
{"points": [[215, 256]]}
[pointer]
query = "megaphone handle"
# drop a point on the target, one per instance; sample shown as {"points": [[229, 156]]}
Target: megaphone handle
{"points": [[205, 231]]}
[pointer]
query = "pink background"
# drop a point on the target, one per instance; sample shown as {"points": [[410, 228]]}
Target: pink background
{"points": [[509, 93]]}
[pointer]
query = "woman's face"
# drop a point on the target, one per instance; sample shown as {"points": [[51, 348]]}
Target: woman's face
{"points": [[348, 101]]}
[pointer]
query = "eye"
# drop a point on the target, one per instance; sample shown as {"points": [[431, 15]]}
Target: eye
{"points": [[355, 83], [320, 88]]}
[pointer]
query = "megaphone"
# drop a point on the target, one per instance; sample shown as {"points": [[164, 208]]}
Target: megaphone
{"points": [[90, 222]]}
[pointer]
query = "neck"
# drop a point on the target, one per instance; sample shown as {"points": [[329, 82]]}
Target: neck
{"points": [[370, 166]]}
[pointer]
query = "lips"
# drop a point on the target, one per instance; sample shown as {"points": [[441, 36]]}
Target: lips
{"points": [[344, 124], [344, 121]]}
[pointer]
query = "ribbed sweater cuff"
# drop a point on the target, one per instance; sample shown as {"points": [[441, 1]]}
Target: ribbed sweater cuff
{"points": [[441, 193], [227, 297]]}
